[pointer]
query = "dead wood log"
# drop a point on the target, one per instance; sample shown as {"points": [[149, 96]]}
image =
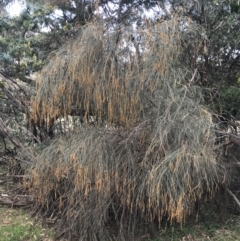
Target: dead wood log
{"points": [[16, 200]]}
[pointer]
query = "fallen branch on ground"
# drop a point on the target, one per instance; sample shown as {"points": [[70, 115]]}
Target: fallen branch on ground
{"points": [[16, 200]]}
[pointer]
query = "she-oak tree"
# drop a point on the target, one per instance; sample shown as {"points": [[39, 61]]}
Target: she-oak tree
{"points": [[149, 71]]}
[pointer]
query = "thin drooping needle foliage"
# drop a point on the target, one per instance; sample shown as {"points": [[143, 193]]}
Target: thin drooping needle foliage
{"points": [[158, 158], [106, 74]]}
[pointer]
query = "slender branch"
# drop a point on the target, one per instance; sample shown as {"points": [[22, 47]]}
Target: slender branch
{"points": [[233, 164], [119, 9], [234, 197], [193, 76], [5, 132]]}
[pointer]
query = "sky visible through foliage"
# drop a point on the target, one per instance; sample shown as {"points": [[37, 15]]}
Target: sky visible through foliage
{"points": [[15, 8]]}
